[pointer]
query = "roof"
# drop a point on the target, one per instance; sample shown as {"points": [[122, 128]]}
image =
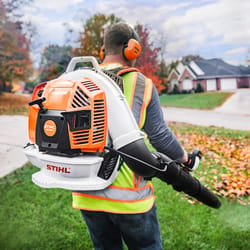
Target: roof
{"points": [[217, 68]]}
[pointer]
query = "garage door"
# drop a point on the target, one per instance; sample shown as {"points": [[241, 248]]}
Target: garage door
{"points": [[211, 85], [228, 84], [187, 84]]}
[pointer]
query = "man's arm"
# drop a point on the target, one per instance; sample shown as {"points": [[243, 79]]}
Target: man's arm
{"points": [[159, 134]]}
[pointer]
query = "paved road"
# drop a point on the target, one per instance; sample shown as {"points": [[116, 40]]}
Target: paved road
{"points": [[208, 118], [233, 114], [14, 132]]}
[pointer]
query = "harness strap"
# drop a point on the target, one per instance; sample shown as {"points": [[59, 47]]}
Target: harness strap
{"points": [[126, 70]]}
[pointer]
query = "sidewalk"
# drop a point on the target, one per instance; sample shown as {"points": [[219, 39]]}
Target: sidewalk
{"points": [[13, 136]]}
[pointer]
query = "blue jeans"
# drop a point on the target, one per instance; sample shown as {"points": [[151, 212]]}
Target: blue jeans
{"points": [[139, 231]]}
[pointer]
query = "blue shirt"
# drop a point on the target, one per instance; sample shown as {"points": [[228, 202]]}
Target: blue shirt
{"points": [[157, 130]]}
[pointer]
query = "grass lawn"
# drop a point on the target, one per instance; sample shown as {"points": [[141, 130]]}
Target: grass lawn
{"points": [[209, 100], [36, 218]]}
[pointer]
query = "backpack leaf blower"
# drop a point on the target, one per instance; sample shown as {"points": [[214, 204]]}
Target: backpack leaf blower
{"points": [[81, 129]]}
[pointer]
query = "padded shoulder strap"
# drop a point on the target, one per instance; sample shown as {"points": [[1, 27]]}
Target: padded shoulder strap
{"points": [[124, 70]]}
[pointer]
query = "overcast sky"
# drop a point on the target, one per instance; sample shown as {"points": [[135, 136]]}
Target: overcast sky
{"points": [[210, 28]]}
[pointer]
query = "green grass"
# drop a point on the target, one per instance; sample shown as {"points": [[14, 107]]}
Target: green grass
{"points": [[36, 218], [210, 131], [199, 100], [186, 226]]}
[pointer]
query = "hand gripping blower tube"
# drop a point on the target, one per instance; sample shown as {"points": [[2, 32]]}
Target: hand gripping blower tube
{"points": [[81, 129]]}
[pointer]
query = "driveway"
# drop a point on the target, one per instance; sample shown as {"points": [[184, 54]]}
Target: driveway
{"points": [[238, 103], [14, 129], [233, 114]]}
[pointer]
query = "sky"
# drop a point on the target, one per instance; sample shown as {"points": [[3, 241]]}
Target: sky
{"points": [[209, 28]]}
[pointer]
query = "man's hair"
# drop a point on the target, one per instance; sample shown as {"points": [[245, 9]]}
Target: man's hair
{"points": [[116, 36]]}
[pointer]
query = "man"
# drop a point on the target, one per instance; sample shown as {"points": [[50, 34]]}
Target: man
{"points": [[125, 210]]}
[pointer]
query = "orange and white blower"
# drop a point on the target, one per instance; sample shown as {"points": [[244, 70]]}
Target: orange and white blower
{"points": [[69, 124], [81, 129]]}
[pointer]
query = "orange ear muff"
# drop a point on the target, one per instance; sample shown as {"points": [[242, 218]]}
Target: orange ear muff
{"points": [[102, 52], [132, 49]]}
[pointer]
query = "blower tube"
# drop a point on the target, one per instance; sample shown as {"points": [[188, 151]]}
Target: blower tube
{"points": [[144, 163]]}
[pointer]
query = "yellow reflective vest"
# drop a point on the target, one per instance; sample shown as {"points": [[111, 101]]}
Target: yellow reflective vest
{"points": [[129, 193]]}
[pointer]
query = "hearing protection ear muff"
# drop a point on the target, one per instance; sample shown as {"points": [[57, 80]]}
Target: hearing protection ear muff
{"points": [[102, 53], [131, 49]]}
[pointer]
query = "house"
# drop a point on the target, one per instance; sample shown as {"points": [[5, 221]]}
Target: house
{"points": [[211, 74]]}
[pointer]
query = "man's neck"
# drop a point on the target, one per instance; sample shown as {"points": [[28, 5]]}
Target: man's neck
{"points": [[116, 59]]}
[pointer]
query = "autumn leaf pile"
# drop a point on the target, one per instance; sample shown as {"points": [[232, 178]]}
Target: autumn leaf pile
{"points": [[225, 167]]}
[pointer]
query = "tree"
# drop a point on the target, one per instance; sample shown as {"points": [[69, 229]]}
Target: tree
{"points": [[148, 60], [15, 62], [162, 72], [54, 61], [199, 88], [91, 39], [187, 59]]}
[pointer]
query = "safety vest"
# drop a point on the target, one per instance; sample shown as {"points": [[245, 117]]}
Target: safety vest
{"points": [[129, 193]]}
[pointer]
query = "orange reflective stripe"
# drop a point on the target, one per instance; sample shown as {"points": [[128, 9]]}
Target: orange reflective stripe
{"points": [[134, 180], [123, 71], [146, 100], [138, 182]]}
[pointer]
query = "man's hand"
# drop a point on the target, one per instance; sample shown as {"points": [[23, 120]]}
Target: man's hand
{"points": [[193, 160]]}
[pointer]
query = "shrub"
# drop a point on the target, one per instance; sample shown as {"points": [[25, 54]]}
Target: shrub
{"points": [[184, 91], [243, 86], [176, 89], [199, 88]]}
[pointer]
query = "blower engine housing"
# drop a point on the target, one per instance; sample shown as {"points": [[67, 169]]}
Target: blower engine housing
{"points": [[73, 119], [69, 127]]}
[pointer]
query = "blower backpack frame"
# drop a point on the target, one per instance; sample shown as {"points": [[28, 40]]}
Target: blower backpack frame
{"points": [[81, 129]]}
